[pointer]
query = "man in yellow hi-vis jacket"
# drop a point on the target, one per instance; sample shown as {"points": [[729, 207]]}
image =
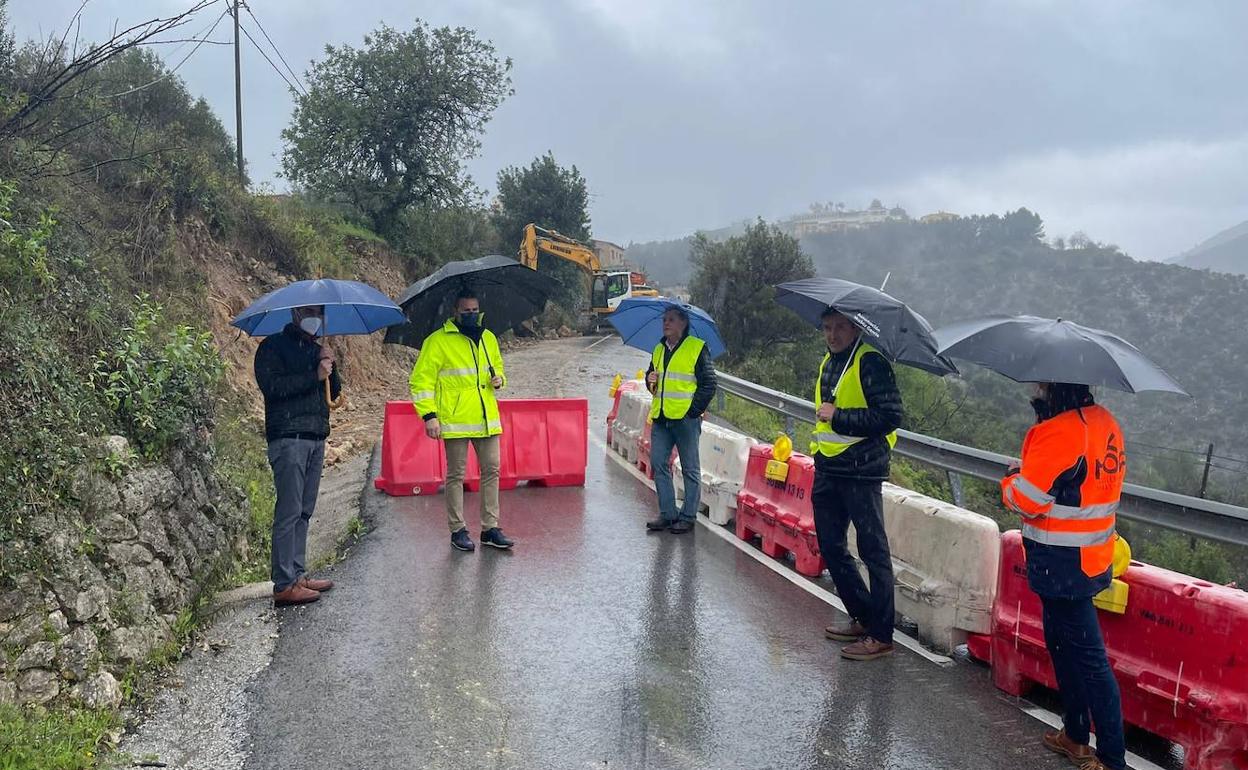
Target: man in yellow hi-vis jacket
{"points": [[453, 385]]}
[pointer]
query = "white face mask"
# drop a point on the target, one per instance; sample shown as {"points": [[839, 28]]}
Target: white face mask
{"points": [[311, 325]]}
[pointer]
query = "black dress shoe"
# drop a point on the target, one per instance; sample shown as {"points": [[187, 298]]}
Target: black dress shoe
{"points": [[681, 527], [658, 525], [495, 537]]}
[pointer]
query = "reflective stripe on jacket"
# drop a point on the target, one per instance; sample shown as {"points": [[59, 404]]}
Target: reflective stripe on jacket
{"points": [[452, 380], [849, 395], [1070, 482], [678, 381]]}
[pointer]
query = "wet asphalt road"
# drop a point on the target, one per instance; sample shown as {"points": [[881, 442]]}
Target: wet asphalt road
{"points": [[597, 645]]}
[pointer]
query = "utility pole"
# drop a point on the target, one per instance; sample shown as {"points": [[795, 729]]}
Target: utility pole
{"points": [[238, 99]]}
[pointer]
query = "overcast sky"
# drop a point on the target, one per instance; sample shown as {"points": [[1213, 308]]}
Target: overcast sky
{"points": [[1127, 120]]}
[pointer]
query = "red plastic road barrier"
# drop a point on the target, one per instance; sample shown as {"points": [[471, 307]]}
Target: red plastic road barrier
{"points": [[1180, 654], [411, 462], [625, 387], [780, 513], [544, 442]]}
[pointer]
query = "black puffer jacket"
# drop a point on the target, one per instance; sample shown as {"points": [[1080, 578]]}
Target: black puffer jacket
{"points": [[294, 399], [867, 460]]}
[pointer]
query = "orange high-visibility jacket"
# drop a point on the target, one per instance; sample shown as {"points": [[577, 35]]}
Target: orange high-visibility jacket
{"points": [[1070, 482]]}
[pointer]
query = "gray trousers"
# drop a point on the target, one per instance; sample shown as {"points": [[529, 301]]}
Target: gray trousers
{"points": [[296, 467]]}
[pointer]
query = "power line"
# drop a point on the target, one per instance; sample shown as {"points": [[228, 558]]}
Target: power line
{"points": [[280, 74], [175, 68], [276, 50]]}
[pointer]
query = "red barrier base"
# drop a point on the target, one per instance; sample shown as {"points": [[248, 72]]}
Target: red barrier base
{"points": [[1178, 652], [780, 513]]}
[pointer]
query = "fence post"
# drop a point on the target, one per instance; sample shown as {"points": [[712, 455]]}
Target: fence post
{"points": [[955, 484]]}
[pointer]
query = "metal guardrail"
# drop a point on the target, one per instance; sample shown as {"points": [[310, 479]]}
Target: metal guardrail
{"points": [[1154, 507]]}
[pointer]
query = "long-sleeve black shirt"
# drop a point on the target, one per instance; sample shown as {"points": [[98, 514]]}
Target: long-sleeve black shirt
{"points": [[704, 371], [294, 397], [866, 460]]}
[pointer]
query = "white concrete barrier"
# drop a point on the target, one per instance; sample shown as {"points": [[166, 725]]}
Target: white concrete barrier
{"points": [[945, 562], [723, 455], [629, 423]]}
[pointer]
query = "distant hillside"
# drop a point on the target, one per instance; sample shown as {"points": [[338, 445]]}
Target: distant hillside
{"points": [[1190, 321], [1226, 252], [666, 263]]}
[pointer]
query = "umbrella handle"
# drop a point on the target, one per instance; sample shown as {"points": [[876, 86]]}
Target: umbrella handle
{"points": [[853, 352], [334, 403]]}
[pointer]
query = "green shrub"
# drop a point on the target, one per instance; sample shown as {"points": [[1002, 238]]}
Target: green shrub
{"points": [[243, 463], [158, 380]]}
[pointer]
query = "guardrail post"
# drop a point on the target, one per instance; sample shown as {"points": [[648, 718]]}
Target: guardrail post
{"points": [[955, 484], [789, 427], [721, 401]]}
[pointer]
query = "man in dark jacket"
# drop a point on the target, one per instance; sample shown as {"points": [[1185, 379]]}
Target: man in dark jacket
{"points": [[682, 380], [291, 369], [859, 411]]}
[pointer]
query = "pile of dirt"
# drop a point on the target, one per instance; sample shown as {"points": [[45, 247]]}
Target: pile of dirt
{"points": [[372, 371]]}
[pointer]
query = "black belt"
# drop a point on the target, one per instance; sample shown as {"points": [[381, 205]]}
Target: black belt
{"points": [[301, 436]]}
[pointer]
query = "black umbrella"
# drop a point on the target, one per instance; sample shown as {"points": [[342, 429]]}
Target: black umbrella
{"points": [[510, 294], [887, 323], [1030, 349]]}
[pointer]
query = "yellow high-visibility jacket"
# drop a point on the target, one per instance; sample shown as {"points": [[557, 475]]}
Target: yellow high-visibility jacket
{"points": [[452, 380]]}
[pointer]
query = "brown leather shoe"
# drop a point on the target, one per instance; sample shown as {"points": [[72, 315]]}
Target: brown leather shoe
{"points": [[1059, 742], [866, 648], [1093, 764], [320, 586], [296, 594], [849, 632]]}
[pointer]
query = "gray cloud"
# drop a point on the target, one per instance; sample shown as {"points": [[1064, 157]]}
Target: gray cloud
{"points": [[1112, 117]]}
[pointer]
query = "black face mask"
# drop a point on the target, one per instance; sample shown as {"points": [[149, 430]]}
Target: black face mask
{"points": [[470, 320]]}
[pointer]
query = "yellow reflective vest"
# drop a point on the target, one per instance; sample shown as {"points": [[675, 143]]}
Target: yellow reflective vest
{"points": [[452, 379], [849, 395], [678, 381]]}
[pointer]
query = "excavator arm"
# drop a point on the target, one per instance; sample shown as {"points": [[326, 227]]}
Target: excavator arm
{"points": [[538, 240]]}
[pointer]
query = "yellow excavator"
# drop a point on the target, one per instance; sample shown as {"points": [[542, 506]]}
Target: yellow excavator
{"points": [[608, 288]]}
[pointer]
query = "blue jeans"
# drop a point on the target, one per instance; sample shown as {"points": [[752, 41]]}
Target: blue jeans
{"points": [[682, 434], [1084, 679], [296, 467]]}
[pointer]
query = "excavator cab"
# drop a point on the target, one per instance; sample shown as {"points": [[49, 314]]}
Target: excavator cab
{"points": [[609, 289]]}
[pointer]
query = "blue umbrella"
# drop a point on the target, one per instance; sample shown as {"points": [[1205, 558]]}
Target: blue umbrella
{"points": [[351, 307], [639, 320]]}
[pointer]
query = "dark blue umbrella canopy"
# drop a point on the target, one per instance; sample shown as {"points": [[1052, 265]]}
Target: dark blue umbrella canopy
{"points": [[887, 323], [639, 320], [351, 307], [1031, 349]]}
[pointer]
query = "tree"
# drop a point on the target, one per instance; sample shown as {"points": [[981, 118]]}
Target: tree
{"points": [[545, 194], [550, 196], [391, 125], [733, 280]]}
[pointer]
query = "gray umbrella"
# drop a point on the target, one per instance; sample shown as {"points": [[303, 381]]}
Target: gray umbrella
{"points": [[887, 323], [509, 292], [1030, 349]]}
